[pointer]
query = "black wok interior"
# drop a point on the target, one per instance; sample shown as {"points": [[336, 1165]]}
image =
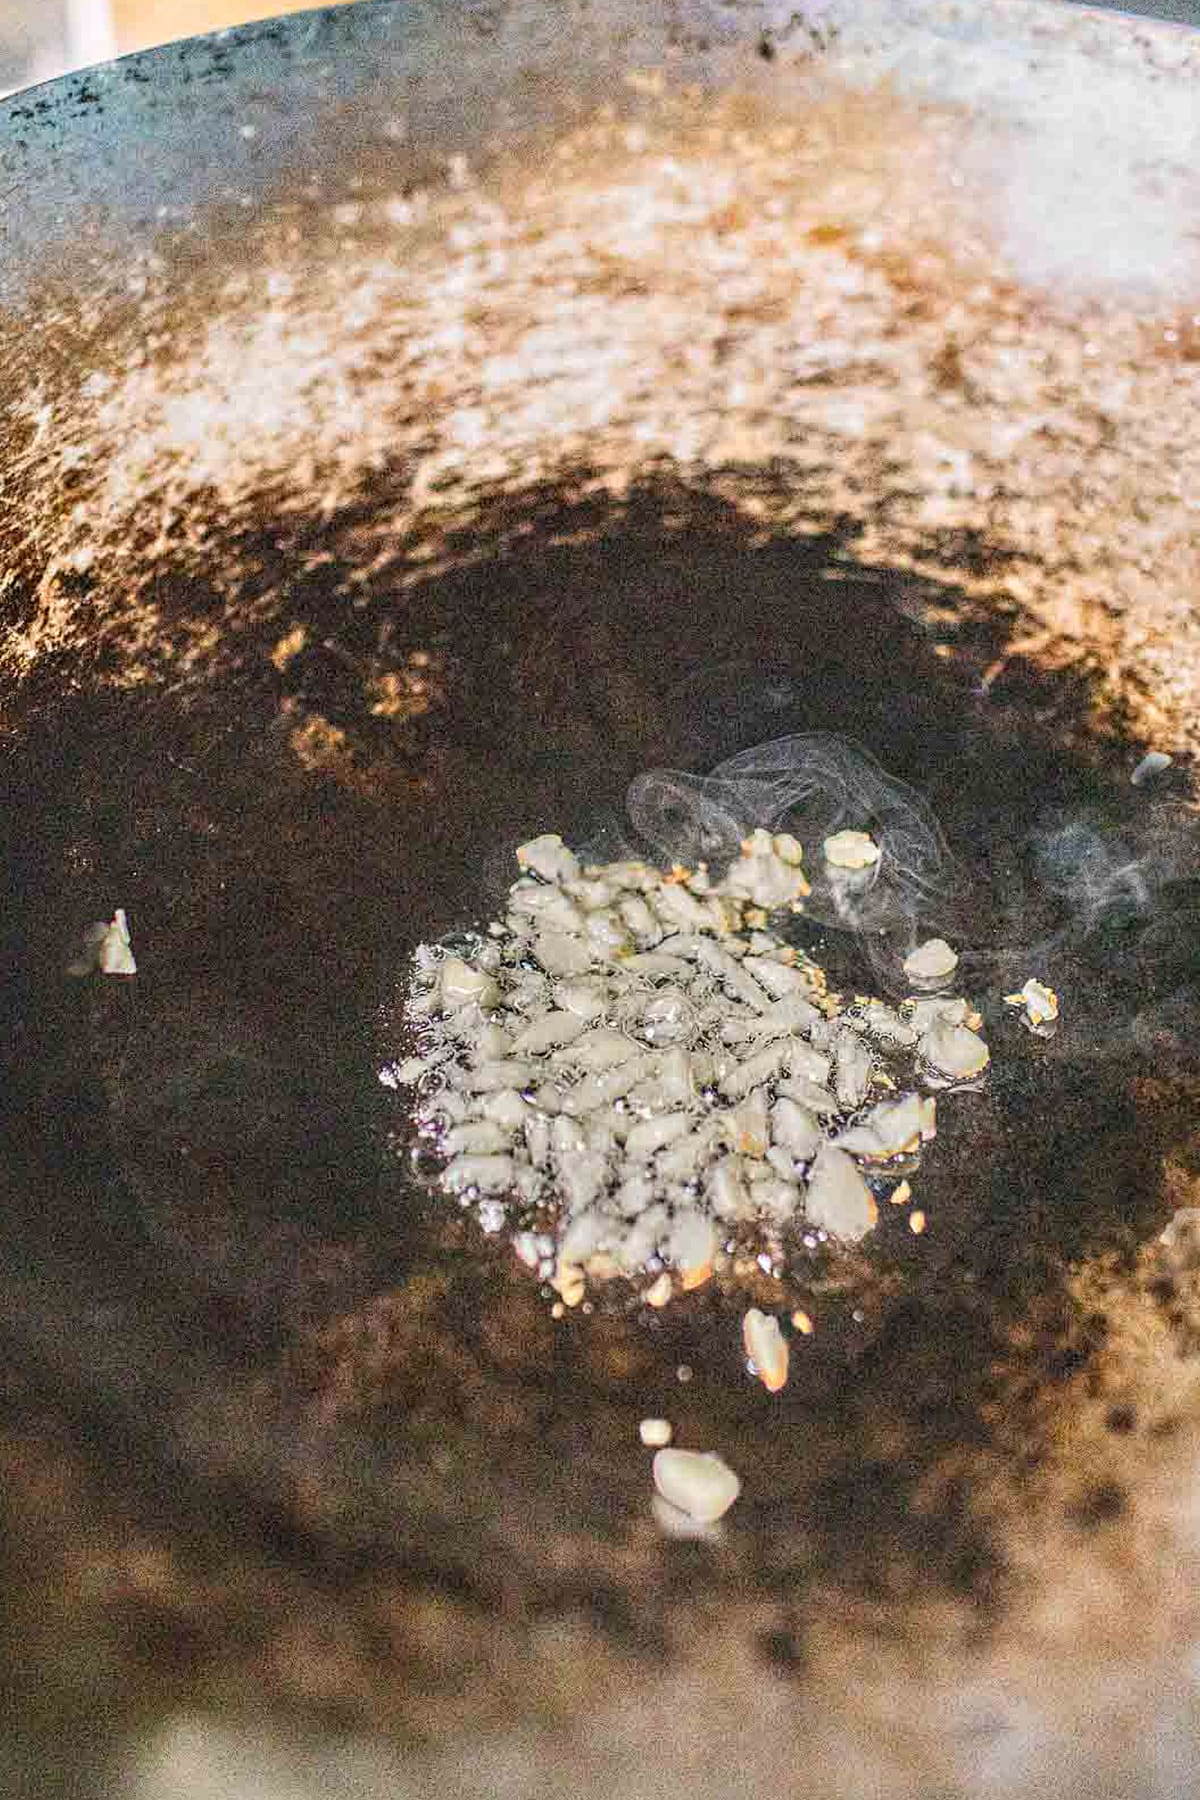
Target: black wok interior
{"points": [[202, 1169]]}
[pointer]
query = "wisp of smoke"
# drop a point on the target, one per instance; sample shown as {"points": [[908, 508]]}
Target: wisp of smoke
{"points": [[1098, 876], [812, 786], [1129, 921]]}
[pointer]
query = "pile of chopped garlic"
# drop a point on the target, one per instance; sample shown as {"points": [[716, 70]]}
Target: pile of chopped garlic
{"points": [[629, 1067]]}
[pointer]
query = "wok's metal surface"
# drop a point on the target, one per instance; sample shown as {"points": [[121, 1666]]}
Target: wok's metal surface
{"points": [[367, 508]]}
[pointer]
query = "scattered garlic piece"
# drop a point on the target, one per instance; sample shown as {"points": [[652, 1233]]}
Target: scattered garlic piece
{"points": [[795, 1129], [482, 1173], [656, 1433], [526, 1246], [851, 850], [1038, 1003], [838, 1199], [692, 1247], [1153, 763], [114, 955], [931, 964], [106, 948], [955, 1051], [699, 1482], [549, 857], [659, 1291], [893, 1128], [766, 1348], [768, 871], [569, 1283]]}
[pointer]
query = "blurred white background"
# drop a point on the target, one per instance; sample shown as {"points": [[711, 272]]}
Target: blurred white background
{"points": [[41, 38]]}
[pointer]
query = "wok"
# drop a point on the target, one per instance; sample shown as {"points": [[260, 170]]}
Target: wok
{"points": [[418, 419]]}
